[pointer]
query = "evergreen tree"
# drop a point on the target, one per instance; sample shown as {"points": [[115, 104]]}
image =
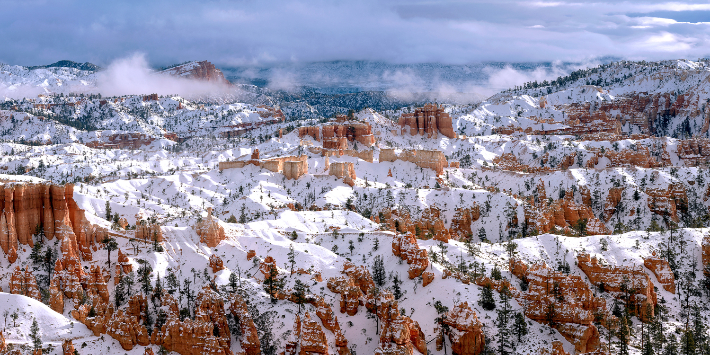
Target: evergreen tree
{"points": [[520, 327], [502, 322], [671, 346], [623, 335], [487, 301], [378, 271], [110, 245], [273, 284], [396, 290], [687, 343], [291, 257], [35, 335], [300, 292]]}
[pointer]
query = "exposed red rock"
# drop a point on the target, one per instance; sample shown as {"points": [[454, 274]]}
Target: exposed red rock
{"points": [[23, 282], [406, 247], [216, 263], [203, 71], [399, 334], [343, 170], [429, 159], [210, 231], [466, 335], [430, 120]]}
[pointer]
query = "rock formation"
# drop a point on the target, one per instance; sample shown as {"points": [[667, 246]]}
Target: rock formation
{"points": [[149, 232], [429, 159], [568, 299], [23, 282], [406, 247], [466, 335], [210, 231], [399, 334], [203, 71], [662, 270], [343, 170], [216, 263], [430, 120], [337, 136], [616, 279], [291, 166]]}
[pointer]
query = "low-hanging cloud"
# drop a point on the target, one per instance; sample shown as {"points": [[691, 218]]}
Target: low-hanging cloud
{"points": [[125, 76], [132, 75]]}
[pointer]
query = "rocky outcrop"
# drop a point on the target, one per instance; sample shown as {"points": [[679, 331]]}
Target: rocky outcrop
{"points": [[249, 339], [149, 232], [67, 347], [621, 279], [398, 334], [566, 299], [430, 120], [203, 71], [662, 270], [565, 214], [337, 136], [466, 335], [216, 263], [28, 207], [462, 220], [291, 166], [352, 287], [666, 202], [343, 170], [23, 282], [428, 159], [406, 247], [210, 230], [126, 330], [313, 340]]}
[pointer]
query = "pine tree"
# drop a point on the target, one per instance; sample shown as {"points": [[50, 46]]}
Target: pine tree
{"points": [[396, 290], [520, 327], [300, 293], [35, 335], [623, 335], [110, 245], [502, 323], [291, 257], [378, 271], [487, 301]]}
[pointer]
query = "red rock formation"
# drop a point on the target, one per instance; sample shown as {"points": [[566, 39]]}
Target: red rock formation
{"points": [[666, 202], [343, 170], [706, 250], [203, 71], [430, 120], [24, 283], [399, 334], [216, 263], [406, 247], [662, 270], [466, 335], [429, 159], [613, 278], [67, 347], [427, 278], [209, 230], [249, 340], [568, 298], [149, 232], [126, 330], [313, 340], [462, 220]]}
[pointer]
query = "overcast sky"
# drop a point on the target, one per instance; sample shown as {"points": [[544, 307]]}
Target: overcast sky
{"points": [[241, 32]]}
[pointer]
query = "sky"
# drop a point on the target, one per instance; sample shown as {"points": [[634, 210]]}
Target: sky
{"points": [[252, 32]]}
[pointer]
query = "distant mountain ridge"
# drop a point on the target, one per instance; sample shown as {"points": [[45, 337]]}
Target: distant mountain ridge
{"points": [[68, 64]]}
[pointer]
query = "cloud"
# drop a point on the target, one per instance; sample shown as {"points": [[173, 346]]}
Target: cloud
{"points": [[257, 32], [132, 75], [125, 76]]}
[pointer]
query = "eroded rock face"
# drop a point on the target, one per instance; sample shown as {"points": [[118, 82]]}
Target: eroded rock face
{"points": [[313, 340], [67, 347], [249, 340], [568, 299], [564, 213], [430, 120], [466, 335], [343, 170], [216, 263], [126, 330], [398, 334], [204, 71], [23, 282], [337, 136], [666, 202], [149, 232], [28, 206], [615, 278], [428, 159], [662, 270], [209, 230], [406, 247], [292, 167]]}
